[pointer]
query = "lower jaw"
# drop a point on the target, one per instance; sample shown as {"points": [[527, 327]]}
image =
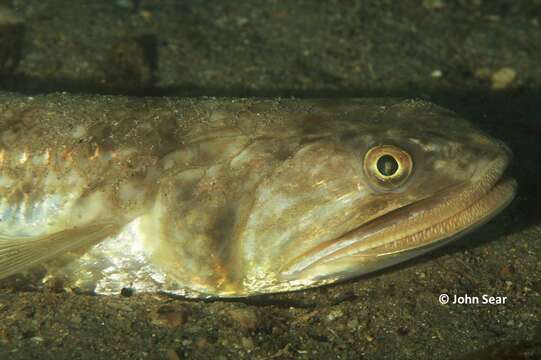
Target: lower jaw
{"points": [[466, 220]]}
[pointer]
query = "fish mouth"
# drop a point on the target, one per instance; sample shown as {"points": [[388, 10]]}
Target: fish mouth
{"points": [[411, 230]]}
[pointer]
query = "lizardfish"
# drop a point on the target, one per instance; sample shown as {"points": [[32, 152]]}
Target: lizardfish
{"points": [[235, 197]]}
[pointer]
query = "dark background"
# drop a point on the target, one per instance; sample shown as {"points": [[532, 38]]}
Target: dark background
{"points": [[480, 58]]}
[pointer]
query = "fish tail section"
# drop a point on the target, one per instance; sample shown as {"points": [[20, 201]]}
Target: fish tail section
{"points": [[18, 253]]}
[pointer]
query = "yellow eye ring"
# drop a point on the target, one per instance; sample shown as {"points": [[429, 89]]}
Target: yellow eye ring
{"points": [[387, 166]]}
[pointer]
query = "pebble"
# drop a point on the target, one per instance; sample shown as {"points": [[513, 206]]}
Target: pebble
{"points": [[246, 318], [247, 343], [146, 15], [37, 339], [436, 74], [335, 314], [506, 270], [201, 342], [126, 4], [353, 323], [76, 319], [170, 316], [503, 78], [127, 292], [171, 354], [434, 4]]}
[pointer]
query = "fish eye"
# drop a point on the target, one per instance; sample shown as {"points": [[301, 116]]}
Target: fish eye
{"points": [[387, 166]]}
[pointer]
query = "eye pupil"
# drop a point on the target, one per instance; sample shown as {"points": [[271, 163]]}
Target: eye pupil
{"points": [[387, 165]]}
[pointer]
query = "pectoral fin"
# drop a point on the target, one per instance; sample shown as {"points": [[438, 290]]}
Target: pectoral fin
{"points": [[22, 252]]}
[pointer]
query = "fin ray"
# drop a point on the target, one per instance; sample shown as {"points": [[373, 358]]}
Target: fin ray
{"points": [[21, 252]]}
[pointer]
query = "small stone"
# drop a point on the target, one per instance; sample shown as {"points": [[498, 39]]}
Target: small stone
{"points": [[126, 4], [76, 319], [353, 323], [335, 314], [506, 270], [225, 343], [503, 78], [127, 292], [201, 342], [146, 15], [247, 343], [170, 316], [434, 4], [246, 318], [241, 21], [37, 339], [436, 74], [171, 354]]}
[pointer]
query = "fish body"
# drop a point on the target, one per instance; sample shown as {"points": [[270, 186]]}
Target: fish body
{"points": [[235, 197]]}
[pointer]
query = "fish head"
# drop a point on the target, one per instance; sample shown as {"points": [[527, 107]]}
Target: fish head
{"points": [[364, 192]]}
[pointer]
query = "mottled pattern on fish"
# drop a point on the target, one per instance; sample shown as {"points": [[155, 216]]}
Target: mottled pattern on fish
{"points": [[234, 197]]}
